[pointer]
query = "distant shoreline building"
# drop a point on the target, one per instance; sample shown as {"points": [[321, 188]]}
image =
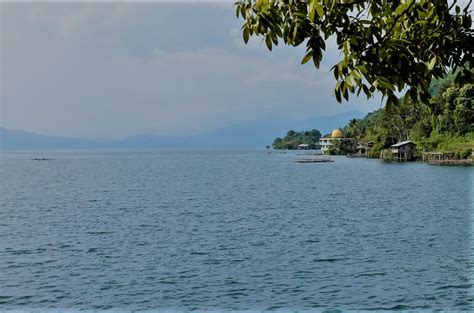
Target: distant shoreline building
{"points": [[327, 142], [404, 151], [303, 146], [363, 148]]}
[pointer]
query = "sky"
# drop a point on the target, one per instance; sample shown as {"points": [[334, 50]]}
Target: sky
{"points": [[109, 70]]}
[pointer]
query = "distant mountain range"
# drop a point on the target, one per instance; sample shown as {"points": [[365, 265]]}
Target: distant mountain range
{"points": [[249, 134]]}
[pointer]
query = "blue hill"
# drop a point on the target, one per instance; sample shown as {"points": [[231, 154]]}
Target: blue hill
{"points": [[18, 139], [258, 133]]}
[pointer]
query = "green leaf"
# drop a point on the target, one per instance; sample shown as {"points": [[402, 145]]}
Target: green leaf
{"points": [[346, 94], [357, 74], [311, 10], [338, 95], [243, 11], [366, 91], [268, 41], [262, 5], [432, 63], [350, 81], [246, 34], [315, 7], [336, 72], [295, 32], [347, 47], [307, 57], [316, 60], [319, 9]]}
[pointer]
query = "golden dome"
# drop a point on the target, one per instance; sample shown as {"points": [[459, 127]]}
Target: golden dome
{"points": [[336, 134]]}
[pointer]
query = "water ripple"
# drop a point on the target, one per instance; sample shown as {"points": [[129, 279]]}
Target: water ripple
{"points": [[233, 230]]}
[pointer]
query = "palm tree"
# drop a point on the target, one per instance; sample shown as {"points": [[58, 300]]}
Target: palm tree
{"points": [[352, 127]]}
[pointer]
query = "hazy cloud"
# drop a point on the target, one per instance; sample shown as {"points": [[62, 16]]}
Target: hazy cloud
{"points": [[109, 70]]}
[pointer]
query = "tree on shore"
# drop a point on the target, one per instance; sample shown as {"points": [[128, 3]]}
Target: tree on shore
{"points": [[293, 139], [387, 46]]}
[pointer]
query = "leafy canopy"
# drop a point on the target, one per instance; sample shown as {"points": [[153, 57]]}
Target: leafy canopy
{"points": [[446, 124], [293, 139], [387, 46]]}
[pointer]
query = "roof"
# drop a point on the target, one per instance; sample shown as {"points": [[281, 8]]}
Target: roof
{"points": [[403, 143], [336, 134]]}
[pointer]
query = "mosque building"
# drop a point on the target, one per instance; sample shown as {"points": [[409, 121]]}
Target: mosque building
{"points": [[327, 142]]}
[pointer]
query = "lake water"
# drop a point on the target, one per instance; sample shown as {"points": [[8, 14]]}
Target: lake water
{"points": [[232, 230]]}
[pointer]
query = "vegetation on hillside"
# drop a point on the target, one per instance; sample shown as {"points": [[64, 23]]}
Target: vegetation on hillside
{"points": [[293, 139], [343, 147], [446, 124]]}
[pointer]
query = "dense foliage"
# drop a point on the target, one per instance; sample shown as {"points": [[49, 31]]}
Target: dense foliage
{"points": [[293, 139], [446, 124], [387, 46], [343, 147]]}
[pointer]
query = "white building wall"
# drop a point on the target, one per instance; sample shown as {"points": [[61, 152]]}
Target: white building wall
{"points": [[325, 144]]}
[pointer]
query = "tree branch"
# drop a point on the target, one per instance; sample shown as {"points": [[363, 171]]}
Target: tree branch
{"points": [[391, 28]]}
